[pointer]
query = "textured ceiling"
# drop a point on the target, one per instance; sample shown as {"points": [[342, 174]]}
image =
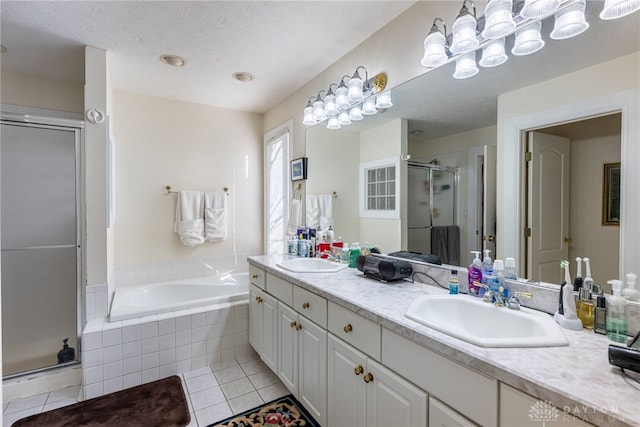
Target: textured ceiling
{"points": [[283, 43]]}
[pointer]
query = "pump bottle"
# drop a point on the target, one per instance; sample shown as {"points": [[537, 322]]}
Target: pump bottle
{"points": [[487, 266], [630, 293], [475, 275], [616, 319]]}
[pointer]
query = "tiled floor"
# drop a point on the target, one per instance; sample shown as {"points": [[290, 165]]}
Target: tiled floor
{"points": [[213, 393]]}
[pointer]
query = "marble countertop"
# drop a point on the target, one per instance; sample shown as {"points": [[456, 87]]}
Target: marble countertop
{"points": [[576, 378]]}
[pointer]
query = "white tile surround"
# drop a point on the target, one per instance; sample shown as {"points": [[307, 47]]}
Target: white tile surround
{"points": [[124, 354]]}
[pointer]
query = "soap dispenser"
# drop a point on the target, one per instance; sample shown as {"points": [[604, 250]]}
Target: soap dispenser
{"points": [[487, 266], [616, 320], [630, 293], [474, 275], [67, 354]]}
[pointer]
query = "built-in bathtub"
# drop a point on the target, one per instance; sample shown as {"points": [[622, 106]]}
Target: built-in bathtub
{"points": [[146, 300]]}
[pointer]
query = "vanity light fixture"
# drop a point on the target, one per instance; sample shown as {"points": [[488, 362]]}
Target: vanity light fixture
{"points": [[354, 98], [435, 53], [493, 54], [528, 40], [466, 66], [498, 19], [614, 9], [569, 22], [534, 9], [464, 30]]}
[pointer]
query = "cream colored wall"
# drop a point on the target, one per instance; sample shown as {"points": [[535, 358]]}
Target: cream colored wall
{"points": [[163, 142], [37, 92], [333, 166], [388, 140]]}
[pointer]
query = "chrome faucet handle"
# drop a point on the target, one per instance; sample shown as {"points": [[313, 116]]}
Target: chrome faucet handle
{"points": [[514, 301], [494, 297]]}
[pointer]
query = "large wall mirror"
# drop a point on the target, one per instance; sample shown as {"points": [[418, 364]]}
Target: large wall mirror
{"points": [[456, 125]]}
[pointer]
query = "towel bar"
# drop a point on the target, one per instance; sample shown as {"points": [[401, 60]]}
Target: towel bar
{"points": [[170, 190]]}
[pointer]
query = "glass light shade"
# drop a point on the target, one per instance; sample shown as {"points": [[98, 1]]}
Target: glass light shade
{"points": [[342, 103], [614, 9], [343, 118], [384, 100], [493, 54], [369, 107], [464, 34], [569, 22], [333, 123], [498, 19], [434, 51], [308, 116], [355, 90], [355, 113], [528, 40], [466, 66], [318, 110], [533, 9], [330, 108]]}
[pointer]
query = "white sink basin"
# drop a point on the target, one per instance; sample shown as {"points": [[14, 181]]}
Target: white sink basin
{"points": [[311, 265], [486, 325]]}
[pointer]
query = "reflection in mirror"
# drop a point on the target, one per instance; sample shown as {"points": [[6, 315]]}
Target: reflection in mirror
{"points": [[438, 117]]}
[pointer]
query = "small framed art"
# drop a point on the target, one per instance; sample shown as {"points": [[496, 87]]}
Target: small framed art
{"points": [[299, 169]]}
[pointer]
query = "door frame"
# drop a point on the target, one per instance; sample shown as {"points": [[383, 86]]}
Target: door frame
{"points": [[511, 209], [34, 117]]}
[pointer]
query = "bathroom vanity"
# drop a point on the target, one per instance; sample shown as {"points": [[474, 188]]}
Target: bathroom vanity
{"points": [[343, 347]]}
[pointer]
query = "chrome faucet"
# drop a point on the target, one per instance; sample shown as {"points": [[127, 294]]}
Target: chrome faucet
{"points": [[331, 256], [514, 302], [492, 296]]}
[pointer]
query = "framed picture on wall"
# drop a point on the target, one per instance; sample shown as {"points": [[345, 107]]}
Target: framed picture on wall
{"points": [[611, 194], [299, 169]]}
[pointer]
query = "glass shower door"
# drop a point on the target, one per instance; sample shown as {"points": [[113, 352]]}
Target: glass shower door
{"points": [[39, 244]]}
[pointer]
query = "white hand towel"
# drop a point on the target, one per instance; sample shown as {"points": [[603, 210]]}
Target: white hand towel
{"points": [[215, 215], [295, 217], [189, 221], [319, 210]]}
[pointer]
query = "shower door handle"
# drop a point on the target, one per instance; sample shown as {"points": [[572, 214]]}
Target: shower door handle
{"points": [[34, 248]]}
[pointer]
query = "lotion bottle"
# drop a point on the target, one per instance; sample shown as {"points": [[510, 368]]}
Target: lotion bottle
{"points": [[616, 319], [487, 266], [475, 275], [630, 293]]}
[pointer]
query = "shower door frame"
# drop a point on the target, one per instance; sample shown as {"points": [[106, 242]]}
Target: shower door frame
{"points": [[77, 127]]}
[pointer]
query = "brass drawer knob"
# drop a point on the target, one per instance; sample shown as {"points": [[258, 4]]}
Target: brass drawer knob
{"points": [[359, 370], [258, 300], [254, 277], [298, 326], [348, 328], [293, 324], [368, 378], [305, 304]]}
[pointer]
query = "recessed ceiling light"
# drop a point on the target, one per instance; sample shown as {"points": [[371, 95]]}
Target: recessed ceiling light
{"points": [[242, 76], [173, 60], [2, 49], [417, 132]]}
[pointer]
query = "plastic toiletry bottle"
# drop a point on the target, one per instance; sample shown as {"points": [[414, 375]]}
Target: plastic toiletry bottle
{"points": [[577, 283], [453, 282], [345, 252], [354, 253], [475, 275], [498, 271], [630, 293], [510, 269], [329, 234], [616, 319], [600, 320], [586, 308], [487, 265]]}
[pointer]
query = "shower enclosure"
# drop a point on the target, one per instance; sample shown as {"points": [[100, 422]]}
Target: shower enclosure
{"points": [[431, 215], [40, 242]]}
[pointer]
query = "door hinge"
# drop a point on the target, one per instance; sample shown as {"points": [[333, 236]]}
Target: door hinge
{"points": [[527, 156], [527, 232]]}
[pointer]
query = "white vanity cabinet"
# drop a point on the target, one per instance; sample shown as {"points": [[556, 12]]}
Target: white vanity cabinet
{"points": [[263, 318], [362, 392]]}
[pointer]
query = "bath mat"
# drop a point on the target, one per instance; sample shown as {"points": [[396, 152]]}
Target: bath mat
{"points": [[158, 403], [286, 411]]}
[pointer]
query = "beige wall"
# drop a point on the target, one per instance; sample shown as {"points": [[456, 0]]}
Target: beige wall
{"points": [[163, 142], [37, 92]]}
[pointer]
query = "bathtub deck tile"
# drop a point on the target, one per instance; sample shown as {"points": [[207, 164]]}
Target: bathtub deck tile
{"points": [[167, 315], [131, 322]]}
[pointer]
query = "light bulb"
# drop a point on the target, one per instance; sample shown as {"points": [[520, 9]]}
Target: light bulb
{"points": [[464, 33], [434, 49], [528, 40], [569, 22], [330, 108], [369, 107], [499, 21], [355, 89], [355, 113], [333, 123], [342, 103], [343, 118], [466, 66], [318, 110], [493, 54], [308, 116]]}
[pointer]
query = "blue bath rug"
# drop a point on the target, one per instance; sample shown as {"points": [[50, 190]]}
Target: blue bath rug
{"points": [[286, 411]]}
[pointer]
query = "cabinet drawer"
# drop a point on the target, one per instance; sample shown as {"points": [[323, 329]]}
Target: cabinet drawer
{"points": [[280, 289], [310, 305], [257, 276], [354, 329], [467, 391]]}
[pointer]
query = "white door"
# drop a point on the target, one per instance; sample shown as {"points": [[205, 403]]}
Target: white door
{"points": [[548, 206], [312, 360], [288, 348], [346, 390], [393, 401], [256, 314], [489, 201], [269, 345]]}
